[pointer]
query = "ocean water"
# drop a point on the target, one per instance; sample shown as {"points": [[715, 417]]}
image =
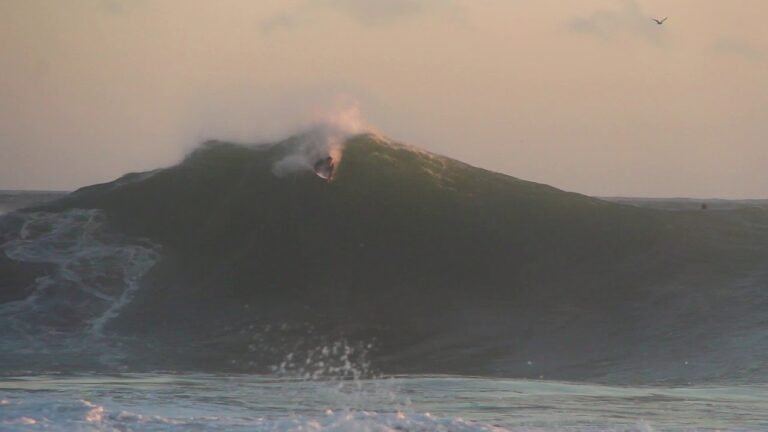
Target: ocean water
{"points": [[11, 200], [241, 402], [66, 276]]}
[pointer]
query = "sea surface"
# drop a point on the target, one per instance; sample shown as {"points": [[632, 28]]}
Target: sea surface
{"points": [[90, 341], [14, 199], [166, 401]]}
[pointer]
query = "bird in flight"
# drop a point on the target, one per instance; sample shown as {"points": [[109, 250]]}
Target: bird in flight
{"points": [[661, 21]]}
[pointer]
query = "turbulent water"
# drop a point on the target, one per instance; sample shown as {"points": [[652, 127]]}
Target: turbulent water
{"points": [[229, 402], [401, 291]]}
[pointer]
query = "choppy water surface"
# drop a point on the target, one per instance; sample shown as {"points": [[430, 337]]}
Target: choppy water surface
{"points": [[11, 200], [176, 402]]}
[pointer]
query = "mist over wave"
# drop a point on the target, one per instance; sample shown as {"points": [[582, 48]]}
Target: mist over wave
{"points": [[323, 140]]}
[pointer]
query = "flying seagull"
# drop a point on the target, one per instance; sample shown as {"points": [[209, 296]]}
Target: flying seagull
{"points": [[661, 21]]}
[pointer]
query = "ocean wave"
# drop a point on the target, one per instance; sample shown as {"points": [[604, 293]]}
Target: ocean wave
{"points": [[439, 266]]}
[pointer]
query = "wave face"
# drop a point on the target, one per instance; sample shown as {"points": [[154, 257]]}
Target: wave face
{"points": [[406, 262]]}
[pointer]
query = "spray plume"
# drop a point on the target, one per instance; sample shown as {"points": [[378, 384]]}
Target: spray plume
{"points": [[323, 142]]}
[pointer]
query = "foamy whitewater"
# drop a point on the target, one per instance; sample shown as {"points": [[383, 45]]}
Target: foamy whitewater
{"points": [[229, 402]]}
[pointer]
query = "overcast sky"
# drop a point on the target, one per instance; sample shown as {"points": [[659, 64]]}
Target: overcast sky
{"points": [[589, 96]]}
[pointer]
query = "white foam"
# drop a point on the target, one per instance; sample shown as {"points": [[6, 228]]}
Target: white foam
{"points": [[57, 415]]}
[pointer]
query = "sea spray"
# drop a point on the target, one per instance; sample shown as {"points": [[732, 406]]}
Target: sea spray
{"points": [[339, 365], [342, 373], [340, 360], [324, 139]]}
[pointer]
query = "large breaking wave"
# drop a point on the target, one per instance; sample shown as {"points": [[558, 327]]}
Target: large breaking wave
{"points": [[404, 262]]}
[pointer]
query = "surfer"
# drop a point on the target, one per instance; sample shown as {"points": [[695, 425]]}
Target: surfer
{"points": [[324, 168]]}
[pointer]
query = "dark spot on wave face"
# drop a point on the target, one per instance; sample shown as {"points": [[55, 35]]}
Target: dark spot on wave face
{"points": [[324, 167]]}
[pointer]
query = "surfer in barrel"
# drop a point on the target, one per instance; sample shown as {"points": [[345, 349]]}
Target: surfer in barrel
{"points": [[324, 168]]}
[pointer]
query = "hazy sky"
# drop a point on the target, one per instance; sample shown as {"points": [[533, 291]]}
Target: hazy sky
{"points": [[589, 96]]}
